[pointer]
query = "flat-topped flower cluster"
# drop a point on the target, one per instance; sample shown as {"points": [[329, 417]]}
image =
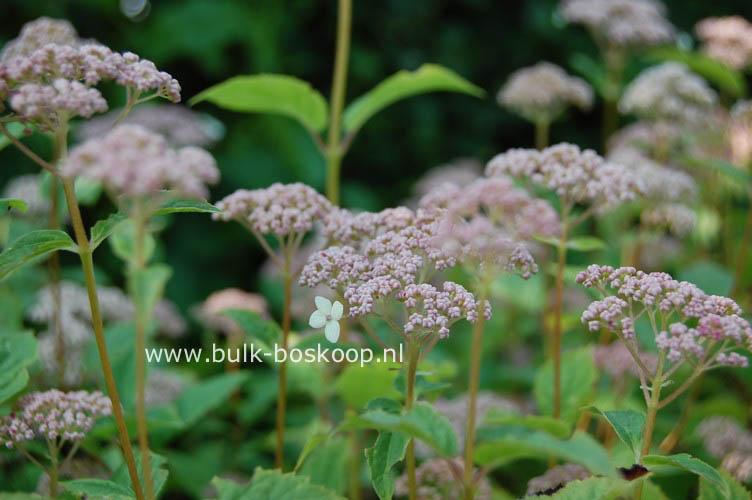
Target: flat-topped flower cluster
{"points": [[688, 324], [48, 75], [53, 415]]}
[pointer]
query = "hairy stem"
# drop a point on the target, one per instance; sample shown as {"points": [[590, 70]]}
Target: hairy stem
{"points": [[137, 266], [652, 412], [53, 472], [413, 353], [475, 360], [541, 134], [558, 300], [337, 101], [282, 395], [87, 265]]}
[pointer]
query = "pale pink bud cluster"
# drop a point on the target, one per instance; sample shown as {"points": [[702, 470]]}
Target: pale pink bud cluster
{"points": [[212, 310], [436, 479], [697, 323], [574, 175], [29, 189], [54, 415], [135, 162], [556, 478], [669, 92], [461, 172], [616, 360], [727, 39], [280, 209], [661, 183], [622, 22], [739, 133], [38, 33], [729, 442], [541, 93], [678, 219], [43, 104], [430, 309]]}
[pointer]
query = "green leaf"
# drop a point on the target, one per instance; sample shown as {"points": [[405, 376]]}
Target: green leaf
{"points": [[357, 385], [592, 488], [712, 278], [187, 206], [310, 445], [388, 449], [579, 243], [710, 491], [7, 203], [403, 84], [198, 400], [148, 287], [580, 448], [553, 426], [270, 93], [17, 352], [421, 422], [728, 79], [122, 240], [627, 424], [273, 485], [13, 383], [593, 71], [98, 488], [104, 228], [158, 474], [16, 130], [264, 332], [718, 165], [31, 247], [327, 465], [691, 464], [87, 191], [578, 375]]}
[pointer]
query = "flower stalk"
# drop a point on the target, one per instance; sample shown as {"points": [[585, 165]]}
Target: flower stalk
{"points": [[413, 355], [282, 393], [561, 251]]}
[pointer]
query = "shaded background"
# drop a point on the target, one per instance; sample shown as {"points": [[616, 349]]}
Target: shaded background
{"points": [[203, 42]]}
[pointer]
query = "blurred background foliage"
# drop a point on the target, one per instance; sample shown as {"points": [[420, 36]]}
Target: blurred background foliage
{"points": [[203, 42]]}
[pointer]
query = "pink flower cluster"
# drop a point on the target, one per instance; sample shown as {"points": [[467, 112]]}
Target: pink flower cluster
{"points": [[430, 309], [280, 209], [696, 322], [54, 415], [48, 75], [727, 39], [132, 161], [488, 222], [574, 175]]}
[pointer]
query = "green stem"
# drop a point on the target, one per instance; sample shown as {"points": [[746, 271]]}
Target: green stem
{"points": [[741, 260], [282, 394], [53, 264], [558, 301], [413, 353], [87, 265], [541, 134], [138, 264], [339, 82], [615, 59], [475, 361], [652, 412], [53, 472]]}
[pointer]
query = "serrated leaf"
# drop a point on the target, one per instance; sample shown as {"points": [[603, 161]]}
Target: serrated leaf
{"points": [[270, 93], [736, 491], [187, 206], [198, 400], [592, 488], [627, 424], [104, 228], [580, 448], [403, 84], [7, 203], [730, 80], [98, 488], [421, 422], [388, 450], [691, 464], [273, 485], [551, 425], [578, 375], [31, 247]]}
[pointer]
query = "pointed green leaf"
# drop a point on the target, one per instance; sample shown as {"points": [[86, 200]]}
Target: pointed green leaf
{"points": [[148, 287], [736, 491], [17, 352], [327, 465], [13, 383], [7, 203], [158, 473], [16, 130], [198, 400], [104, 228], [593, 71], [580, 448], [388, 449], [269, 93], [357, 385], [187, 206], [310, 445], [403, 84], [627, 424], [98, 488], [553, 426], [265, 333], [578, 375], [273, 485], [31, 247], [691, 464], [122, 241], [421, 422]]}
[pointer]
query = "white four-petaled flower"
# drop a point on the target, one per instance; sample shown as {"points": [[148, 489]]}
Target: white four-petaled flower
{"points": [[327, 315]]}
